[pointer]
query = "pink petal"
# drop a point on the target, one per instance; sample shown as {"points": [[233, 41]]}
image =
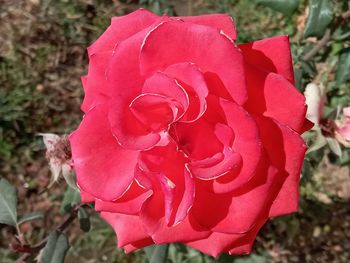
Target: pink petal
{"points": [[94, 82], [127, 129], [155, 111], [162, 84], [238, 212], [138, 244], [121, 28], [234, 244], [123, 70], [286, 150], [128, 228], [206, 171], [156, 226], [130, 203], [222, 22], [192, 80], [104, 48], [86, 197], [185, 231], [103, 168], [273, 96], [202, 45], [246, 143], [196, 139], [270, 55], [177, 189]]}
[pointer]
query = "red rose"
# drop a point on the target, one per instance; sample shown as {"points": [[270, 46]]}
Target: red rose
{"points": [[187, 136]]}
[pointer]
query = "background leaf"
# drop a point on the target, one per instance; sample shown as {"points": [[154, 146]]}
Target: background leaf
{"points": [[253, 258], [320, 16], [157, 253], [84, 219], [31, 216], [343, 69], [286, 7], [56, 248], [71, 197], [8, 203]]}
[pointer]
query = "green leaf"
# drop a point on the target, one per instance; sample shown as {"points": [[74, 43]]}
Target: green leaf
{"points": [[334, 146], [286, 7], [31, 216], [8, 203], [320, 16], [157, 253], [56, 248], [253, 258], [84, 219], [343, 69], [71, 197]]}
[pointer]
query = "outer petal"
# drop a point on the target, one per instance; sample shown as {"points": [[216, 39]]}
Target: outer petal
{"points": [[124, 84], [202, 45], [222, 22], [273, 96], [102, 50], [95, 82], [288, 158], [239, 212], [138, 244], [121, 28], [127, 227], [103, 168], [234, 244], [152, 216], [86, 197], [130, 203], [270, 55]]}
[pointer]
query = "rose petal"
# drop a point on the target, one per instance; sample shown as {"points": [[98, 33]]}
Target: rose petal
{"points": [[156, 226], [94, 82], [286, 150], [234, 244], [86, 197], [192, 80], [128, 228], [162, 84], [156, 111], [239, 211], [102, 50], [202, 45], [121, 28], [130, 203], [205, 171], [197, 140], [178, 188], [222, 22], [127, 129], [246, 143], [138, 244], [103, 168], [273, 96], [270, 55]]}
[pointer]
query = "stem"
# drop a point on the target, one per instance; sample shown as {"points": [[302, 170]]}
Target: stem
{"points": [[63, 226], [327, 36]]}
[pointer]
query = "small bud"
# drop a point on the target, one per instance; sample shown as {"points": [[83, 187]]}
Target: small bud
{"points": [[59, 155]]}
